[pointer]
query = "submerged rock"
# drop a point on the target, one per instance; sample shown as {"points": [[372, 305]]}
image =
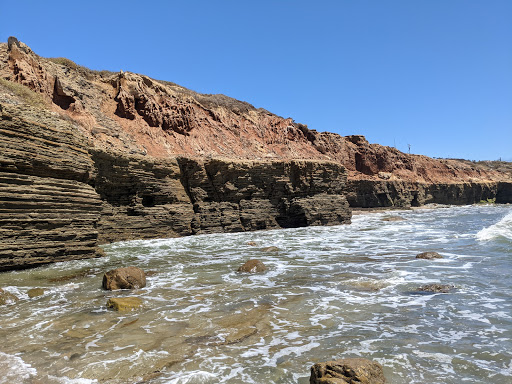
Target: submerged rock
{"points": [[436, 288], [34, 292], [7, 297], [270, 249], [124, 278], [393, 218], [124, 303], [253, 266], [429, 255], [347, 371]]}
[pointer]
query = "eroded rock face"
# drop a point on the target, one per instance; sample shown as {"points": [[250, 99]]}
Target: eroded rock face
{"points": [[252, 266], [347, 371], [124, 278]]}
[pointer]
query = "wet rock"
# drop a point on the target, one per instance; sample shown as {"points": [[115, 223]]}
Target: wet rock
{"points": [[436, 288], [34, 292], [252, 266], [347, 371], [124, 278], [252, 243], [7, 297], [123, 304], [393, 218], [429, 255], [270, 249]]}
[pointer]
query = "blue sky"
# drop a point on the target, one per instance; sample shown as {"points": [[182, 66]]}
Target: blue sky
{"points": [[435, 74]]}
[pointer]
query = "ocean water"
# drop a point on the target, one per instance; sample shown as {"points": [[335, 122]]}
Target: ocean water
{"points": [[329, 292]]}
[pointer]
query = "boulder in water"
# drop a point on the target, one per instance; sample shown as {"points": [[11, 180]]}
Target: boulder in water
{"points": [[34, 292], [124, 278], [437, 288], [429, 255], [253, 266], [347, 371], [252, 243], [7, 297], [124, 304]]}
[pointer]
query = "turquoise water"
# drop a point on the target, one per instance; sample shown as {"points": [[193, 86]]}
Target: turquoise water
{"points": [[329, 292]]}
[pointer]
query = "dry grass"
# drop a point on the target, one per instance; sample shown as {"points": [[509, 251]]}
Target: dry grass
{"points": [[65, 62], [24, 93]]}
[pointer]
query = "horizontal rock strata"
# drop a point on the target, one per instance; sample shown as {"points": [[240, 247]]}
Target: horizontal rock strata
{"points": [[48, 211], [60, 198]]}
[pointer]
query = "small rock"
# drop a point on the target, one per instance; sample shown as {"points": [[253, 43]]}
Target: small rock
{"points": [[437, 288], [252, 243], [393, 218], [429, 255], [347, 371], [34, 292], [7, 297], [270, 249], [252, 266], [124, 278], [124, 304]]}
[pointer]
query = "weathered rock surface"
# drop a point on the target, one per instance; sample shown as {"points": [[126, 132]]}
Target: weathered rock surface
{"points": [[123, 304], [48, 211], [252, 266], [124, 278], [429, 255], [347, 371]]}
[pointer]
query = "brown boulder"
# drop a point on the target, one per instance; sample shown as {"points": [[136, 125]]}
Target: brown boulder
{"points": [[34, 292], [429, 255], [124, 278], [7, 297], [347, 371], [252, 266]]}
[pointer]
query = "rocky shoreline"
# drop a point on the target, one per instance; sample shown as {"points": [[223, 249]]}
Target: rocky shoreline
{"points": [[91, 157]]}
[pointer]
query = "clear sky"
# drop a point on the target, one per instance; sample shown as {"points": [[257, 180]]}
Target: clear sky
{"points": [[435, 74]]}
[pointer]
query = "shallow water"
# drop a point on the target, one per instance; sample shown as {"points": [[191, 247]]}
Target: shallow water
{"points": [[330, 292]]}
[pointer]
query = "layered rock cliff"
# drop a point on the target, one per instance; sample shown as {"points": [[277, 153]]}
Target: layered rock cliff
{"points": [[60, 197], [95, 156]]}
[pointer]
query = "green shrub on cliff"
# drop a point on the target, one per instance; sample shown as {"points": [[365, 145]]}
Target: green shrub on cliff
{"points": [[488, 201]]}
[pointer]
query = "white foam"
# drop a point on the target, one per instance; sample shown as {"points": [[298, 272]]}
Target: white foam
{"points": [[13, 369], [502, 229]]}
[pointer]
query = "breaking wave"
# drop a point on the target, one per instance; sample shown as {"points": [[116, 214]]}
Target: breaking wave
{"points": [[501, 230]]}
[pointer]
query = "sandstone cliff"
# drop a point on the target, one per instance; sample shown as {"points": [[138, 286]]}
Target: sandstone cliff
{"points": [[88, 157], [60, 197]]}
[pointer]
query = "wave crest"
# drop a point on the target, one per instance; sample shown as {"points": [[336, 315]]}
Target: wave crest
{"points": [[501, 230]]}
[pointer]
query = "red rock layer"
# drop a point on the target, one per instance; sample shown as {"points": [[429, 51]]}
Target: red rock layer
{"points": [[138, 115]]}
